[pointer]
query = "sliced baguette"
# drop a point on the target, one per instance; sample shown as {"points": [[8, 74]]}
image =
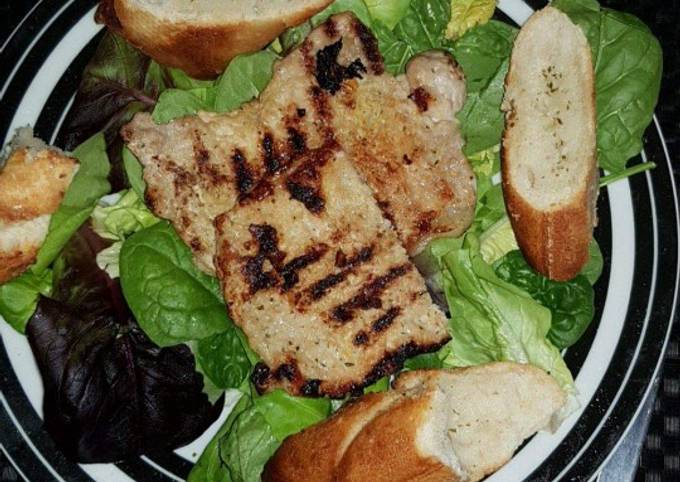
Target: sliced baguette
{"points": [[549, 162], [33, 181], [201, 36], [439, 425]]}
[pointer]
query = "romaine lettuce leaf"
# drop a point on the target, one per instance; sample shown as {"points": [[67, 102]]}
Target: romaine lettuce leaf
{"points": [[19, 297], [465, 14], [494, 320]]}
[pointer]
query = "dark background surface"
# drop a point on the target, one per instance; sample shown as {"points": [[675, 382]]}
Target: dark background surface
{"points": [[660, 457]]}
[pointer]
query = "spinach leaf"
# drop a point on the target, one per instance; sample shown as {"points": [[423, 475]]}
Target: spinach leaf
{"points": [[172, 300], [174, 103], [88, 185], [223, 358], [593, 268], [426, 361], [483, 54], [243, 80], [210, 466], [110, 393], [421, 28], [494, 320], [380, 386], [286, 414], [248, 445], [19, 297], [627, 60], [571, 303]]}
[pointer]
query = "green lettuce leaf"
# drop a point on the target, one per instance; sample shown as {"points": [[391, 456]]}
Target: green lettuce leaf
{"points": [[246, 76], [19, 297], [465, 14], [121, 214], [494, 320], [571, 303], [88, 185], [171, 299], [389, 12], [627, 60], [134, 172], [252, 433]]}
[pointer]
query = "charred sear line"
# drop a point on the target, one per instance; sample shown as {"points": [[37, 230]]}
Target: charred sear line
{"points": [[244, 178], [329, 73], [424, 222], [260, 376], [369, 296], [386, 210], [268, 249], [290, 270], [369, 45], [421, 97], [360, 339], [386, 320], [320, 288], [296, 142], [310, 388], [287, 371], [304, 184], [271, 161], [330, 28]]}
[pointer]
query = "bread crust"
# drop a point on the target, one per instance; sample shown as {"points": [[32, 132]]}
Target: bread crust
{"points": [[313, 454], [15, 262], [553, 241], [200, 49], [393, 435]]}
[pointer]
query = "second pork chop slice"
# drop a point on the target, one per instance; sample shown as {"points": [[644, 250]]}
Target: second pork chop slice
{"points": [[320, 284]]}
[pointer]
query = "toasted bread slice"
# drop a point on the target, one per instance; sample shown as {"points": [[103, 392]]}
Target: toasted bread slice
{"points": [[549, 162], [33, 182], [442, 425], [201, 36]]}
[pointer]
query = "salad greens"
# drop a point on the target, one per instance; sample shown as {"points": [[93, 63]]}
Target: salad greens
{"points": [[171, 298], [495, 320], [628, 62], [170, 319], [19, 297], [110, 393], [571, 303]]}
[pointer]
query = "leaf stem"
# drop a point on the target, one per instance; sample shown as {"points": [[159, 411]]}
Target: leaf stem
{"points": [[631, 171]]}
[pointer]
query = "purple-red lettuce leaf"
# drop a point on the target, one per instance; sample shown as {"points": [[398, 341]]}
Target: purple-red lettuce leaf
{"points": [[110, 393]]}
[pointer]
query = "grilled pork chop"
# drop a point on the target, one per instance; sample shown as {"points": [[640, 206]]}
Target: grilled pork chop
{"points": [[400, 133], [319, 282]]}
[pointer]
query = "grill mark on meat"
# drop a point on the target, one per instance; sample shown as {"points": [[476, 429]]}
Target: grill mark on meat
{"points": [[296, 142], [330, 28], [360, 339], [320, 288], [196, 244], [311, 388], [271, 161], [261, 375], [407, 160], [329, 73], [369, 45], [290, 270], [386, 320], [244, 177], [202, 161], [386, 210], [421, 97], [301, 112], [268, 249], [378, 326], [304, 183], [369, 294], [424, 221]]}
